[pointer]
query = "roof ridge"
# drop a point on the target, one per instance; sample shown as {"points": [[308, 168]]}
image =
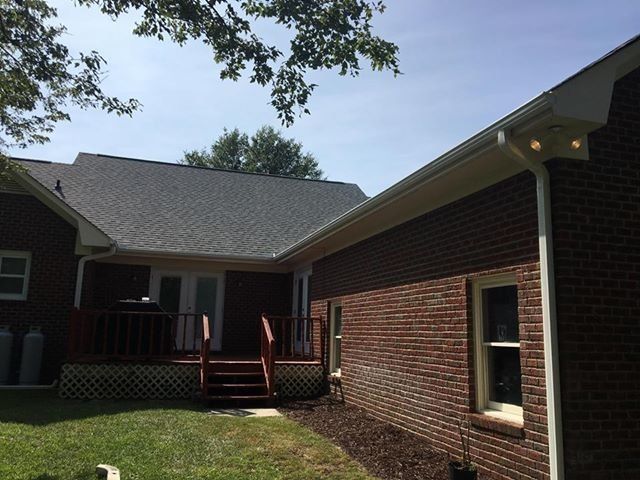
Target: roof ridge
{"points": [[172, 164], [20, 159]]}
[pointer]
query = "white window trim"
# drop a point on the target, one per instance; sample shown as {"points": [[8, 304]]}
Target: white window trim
{"points": [[25, 285], [483, 404], [332, 359]]}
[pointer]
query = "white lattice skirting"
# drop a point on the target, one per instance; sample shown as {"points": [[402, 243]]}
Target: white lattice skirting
{"points": [[87, 381], [299, 381]]}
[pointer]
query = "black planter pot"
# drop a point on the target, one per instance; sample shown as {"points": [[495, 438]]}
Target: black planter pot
{"points": [[458, 471]]}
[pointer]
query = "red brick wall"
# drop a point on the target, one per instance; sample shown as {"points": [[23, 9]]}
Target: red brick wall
{"points": [[247, 296], [407, 334], [27, 224], [596, 208]]}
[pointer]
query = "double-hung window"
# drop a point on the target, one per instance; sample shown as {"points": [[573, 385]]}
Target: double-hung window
{"points": [[14, 274], [497, 346]]}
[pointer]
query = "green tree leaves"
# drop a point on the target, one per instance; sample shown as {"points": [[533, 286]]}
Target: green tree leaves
{"points": [[326, 34], [267, 151], [228, 152], [39, 77]]}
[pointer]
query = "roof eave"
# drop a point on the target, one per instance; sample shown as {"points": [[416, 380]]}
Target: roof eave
{"points": [[533, 111], [581, 102], [227, 258]]}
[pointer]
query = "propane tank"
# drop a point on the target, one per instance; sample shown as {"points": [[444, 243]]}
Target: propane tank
{"points": [[31, 357], [6, 342]]}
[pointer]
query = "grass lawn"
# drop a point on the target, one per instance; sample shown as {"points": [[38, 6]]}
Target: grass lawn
{"points": [[46, 438]]}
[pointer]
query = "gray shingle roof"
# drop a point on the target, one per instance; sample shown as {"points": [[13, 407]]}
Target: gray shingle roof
{"points": [[165, 207]]}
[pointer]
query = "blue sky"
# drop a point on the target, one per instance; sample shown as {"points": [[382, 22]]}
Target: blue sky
{"points": [[465, 64]]}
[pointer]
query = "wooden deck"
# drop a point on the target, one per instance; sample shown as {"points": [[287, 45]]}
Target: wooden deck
{"points": [[160, 338], [193, 360]]}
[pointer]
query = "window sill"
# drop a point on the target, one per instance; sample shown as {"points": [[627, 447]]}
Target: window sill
{"points": [[497, 423], [13, 298]]}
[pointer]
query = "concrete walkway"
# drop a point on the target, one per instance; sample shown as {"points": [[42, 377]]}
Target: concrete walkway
{"points": [[244, 412]]}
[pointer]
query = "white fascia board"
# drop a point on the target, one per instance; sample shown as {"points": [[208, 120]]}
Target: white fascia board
{"points": [[89, 235], [581, 102], [587, 95], [534, 110], [124, 251], [191, 261]]}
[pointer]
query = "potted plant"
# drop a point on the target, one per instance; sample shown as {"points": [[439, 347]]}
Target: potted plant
{"points": [[464, 469]]}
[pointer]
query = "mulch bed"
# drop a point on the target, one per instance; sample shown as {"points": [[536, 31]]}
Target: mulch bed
{"points": [[386, 451]]}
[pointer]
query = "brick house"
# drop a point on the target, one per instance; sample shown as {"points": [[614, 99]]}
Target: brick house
{"points": [[83, 236], [498, 284]]}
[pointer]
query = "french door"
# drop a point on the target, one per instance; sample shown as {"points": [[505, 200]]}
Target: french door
{"points": [[180, 291], [302, 308]]}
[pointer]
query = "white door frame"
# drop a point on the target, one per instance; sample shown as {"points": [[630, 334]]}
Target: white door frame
{"points": [[332, 337], [302, 338], [187, 296]]}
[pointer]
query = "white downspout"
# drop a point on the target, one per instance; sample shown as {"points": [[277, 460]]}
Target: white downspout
{"points": [[549, 322], [80, 275]]}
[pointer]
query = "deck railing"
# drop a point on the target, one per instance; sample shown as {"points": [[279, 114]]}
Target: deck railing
{"points": [[205, 349], [130, 335], [297, 338], [267, 354]]}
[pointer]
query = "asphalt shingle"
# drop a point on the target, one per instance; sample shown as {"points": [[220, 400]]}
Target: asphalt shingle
{"points": [[165, 207]]}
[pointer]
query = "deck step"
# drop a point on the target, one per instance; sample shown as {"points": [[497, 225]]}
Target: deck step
{"points": [[236, 374], [234, 385], [213, 360], [235, 367], [237, 397], [231, 380]]}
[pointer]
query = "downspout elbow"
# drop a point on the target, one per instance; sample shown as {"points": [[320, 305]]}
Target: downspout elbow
{"points": [[113, 249]]}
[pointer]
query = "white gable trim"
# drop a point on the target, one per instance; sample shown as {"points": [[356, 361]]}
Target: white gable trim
{"points": [[89, 235]]}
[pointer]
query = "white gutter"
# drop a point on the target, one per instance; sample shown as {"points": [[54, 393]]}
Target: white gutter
{"points": [[220, 257], [536, 109], [80, 275], [585, 95], [549, 321]]}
